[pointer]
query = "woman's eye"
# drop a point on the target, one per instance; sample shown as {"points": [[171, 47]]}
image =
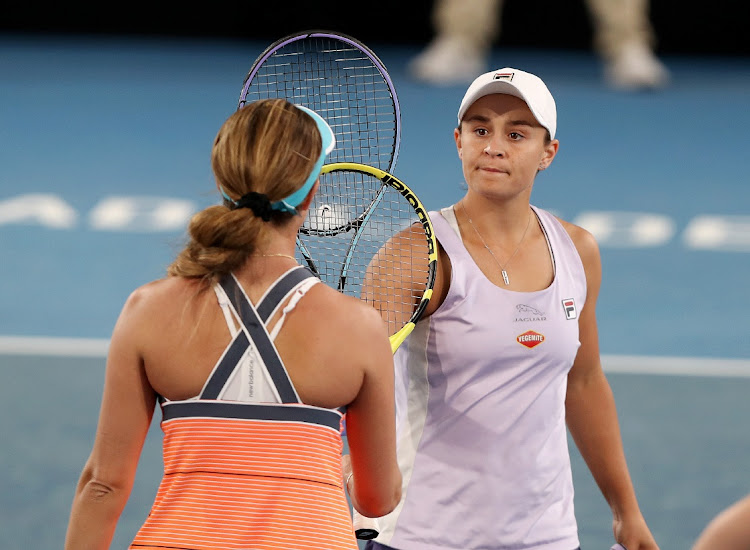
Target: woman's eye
{"points": [[515, 135], [481, 131]]}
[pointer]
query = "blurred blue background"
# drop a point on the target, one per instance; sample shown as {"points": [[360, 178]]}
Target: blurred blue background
{"points": [[106, 133]]}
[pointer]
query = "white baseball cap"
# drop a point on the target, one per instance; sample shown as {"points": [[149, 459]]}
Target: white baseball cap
{"points": [[517, 83]]}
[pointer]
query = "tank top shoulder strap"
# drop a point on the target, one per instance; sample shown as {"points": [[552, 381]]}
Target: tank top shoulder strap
{"points": [[253, 329], [288, 283], [447, 232]]}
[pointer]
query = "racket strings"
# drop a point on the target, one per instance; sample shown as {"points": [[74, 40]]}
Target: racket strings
{"points": [[341, 201], [344, 86], [378, 253]]}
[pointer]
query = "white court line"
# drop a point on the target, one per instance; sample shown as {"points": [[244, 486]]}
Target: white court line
{"points": [[58, 347], [677, 366], [629, 364]]}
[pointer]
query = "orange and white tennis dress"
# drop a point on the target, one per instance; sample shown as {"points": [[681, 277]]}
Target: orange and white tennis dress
{"points": [[247, 465]]}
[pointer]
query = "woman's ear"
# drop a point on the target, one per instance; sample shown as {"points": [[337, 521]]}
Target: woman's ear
{"points": [[550, 150]]}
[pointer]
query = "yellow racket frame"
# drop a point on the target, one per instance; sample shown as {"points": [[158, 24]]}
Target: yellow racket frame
{"points": [[389, 179]]}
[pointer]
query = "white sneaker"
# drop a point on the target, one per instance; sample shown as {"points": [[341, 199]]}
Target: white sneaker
{"points": [[447, 61], [636, 67]]}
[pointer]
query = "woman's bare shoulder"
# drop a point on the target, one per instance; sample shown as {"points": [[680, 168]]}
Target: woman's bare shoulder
{"points": [[342, 308], [163, 295]]}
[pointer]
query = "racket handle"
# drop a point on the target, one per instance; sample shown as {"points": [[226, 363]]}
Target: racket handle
{"points": [[365, 528]]}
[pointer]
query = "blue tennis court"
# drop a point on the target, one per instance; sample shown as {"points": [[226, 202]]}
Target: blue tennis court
{"points": [[105, 154]]}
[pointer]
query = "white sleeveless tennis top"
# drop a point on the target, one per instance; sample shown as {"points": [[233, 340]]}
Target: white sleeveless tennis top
{"points": [[480, 396]]}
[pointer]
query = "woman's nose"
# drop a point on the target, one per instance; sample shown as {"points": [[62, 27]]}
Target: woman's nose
{"points": [[494, 149]]}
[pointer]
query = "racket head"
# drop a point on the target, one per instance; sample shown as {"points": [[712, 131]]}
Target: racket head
{"points": [[385, 255], [344, 81]]}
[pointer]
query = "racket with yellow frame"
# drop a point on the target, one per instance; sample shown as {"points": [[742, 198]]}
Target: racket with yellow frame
{"points": [[384, 252]]}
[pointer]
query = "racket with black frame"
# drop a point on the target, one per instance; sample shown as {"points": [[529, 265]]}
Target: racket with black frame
{"points": [[345, 82], [348, 228]]}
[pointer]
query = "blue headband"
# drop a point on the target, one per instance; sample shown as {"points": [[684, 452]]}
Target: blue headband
{"points": [[328, 142]]}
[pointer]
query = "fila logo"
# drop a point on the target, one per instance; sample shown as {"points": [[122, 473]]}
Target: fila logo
{"points": [[503, 76], [569, 306], [530, 339]]}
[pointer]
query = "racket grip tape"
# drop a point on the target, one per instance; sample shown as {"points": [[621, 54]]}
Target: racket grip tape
{"points": [[365, 528]]}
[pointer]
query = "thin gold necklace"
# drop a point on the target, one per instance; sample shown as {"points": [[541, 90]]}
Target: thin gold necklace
{"points": [[277, 256], [504, 273]]}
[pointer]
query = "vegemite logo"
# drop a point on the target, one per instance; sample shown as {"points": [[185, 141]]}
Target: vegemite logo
{"points": [[530, 339]]}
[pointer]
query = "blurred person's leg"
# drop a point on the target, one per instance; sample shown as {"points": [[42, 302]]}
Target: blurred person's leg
{"points": [[625, 39], [464, 33]]}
